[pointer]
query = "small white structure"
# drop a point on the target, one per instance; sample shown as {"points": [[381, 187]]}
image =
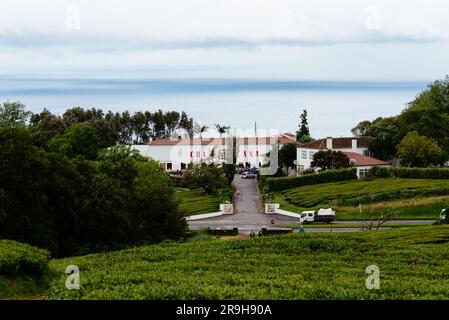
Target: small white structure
{"points": [[271, 208], [227, 208]]}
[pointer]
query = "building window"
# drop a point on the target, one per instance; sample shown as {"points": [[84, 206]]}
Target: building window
{"points": [[363, 172], [311, 154], [183, 166], [304, 154], [169, 166]]}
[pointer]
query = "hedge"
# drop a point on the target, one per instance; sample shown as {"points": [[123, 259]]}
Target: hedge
{"points": [[19, 258], [409, 173], [278, 184]]}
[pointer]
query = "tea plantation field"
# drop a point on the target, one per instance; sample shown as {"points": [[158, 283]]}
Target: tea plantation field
{"points": [[23, 270], [411, 198], [196, 201], [413, 263]]}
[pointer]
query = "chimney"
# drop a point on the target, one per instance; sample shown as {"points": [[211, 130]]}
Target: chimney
{"points": [[354, 144], [329, 143]]}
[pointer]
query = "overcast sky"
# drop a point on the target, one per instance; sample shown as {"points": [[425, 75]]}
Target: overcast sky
{"points": [[332, 40]]}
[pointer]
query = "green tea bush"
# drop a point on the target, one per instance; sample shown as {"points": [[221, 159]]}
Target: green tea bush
{"points": [[278, 184], [413, 263], [18, 258], [409, 173]]}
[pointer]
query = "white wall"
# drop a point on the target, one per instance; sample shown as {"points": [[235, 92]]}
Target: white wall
{"points": [[305, 163], [177, 154]]}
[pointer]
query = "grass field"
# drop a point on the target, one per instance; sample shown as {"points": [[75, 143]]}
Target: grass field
{"points": [[196, 201], [410, 198], [413, 263]]}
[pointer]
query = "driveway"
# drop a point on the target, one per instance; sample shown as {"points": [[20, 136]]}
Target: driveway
{"points": [[248, 215]]}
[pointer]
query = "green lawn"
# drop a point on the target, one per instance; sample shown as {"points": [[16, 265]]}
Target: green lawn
{"points": [[413, 264], [409, 198], [196, 201]]}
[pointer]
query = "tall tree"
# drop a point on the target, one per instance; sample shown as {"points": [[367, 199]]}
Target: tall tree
{"points": [[187, 124], [221, 129], [287, 155], [140, 128], [13, 114], [419, 151], [303, 128], [171, 122], [362, 128], [202, 129]]}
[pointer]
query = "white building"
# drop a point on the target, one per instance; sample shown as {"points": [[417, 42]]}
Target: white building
{"points": [[355, 148], [177, 154]]}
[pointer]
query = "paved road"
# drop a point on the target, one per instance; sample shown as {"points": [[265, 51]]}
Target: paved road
{"points": [[247, 215]]}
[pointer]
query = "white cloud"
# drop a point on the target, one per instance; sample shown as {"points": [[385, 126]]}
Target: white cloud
{"points": [[272, 38], [249, 20]]}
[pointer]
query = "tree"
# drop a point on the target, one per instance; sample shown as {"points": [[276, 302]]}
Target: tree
{"points": [[330, 160], [45, 125], [77, 140], [419, 151], [187, 124], [303, 128], [208, 176], [362, 128], [13, 114], [306, 139], [386, 134], [126, 126], [37, 197], [287, 155], [222, 129], [171, 122], [140, 128], [201, 130]]}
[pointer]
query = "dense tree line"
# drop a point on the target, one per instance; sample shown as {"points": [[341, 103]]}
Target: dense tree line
{"points": [[62, 190], [113, 128], [426, 117]]}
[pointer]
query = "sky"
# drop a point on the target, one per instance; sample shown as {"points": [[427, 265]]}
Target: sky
{"points": [[370, 40], [225, 60]]}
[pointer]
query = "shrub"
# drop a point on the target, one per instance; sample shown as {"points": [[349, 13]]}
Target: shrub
{"points": [[409, 173], [278, 184], [210, 177], [19, 258]]}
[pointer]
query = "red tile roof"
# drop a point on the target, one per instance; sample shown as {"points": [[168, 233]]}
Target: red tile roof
{"points": [[339, 143], [195, 141], [361, 160], [282, 139]]}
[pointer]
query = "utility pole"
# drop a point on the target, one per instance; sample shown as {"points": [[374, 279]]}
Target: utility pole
{"points": [[257, 145]]}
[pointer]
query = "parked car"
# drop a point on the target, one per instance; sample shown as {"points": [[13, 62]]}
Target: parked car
{"points": [[248, 175]]}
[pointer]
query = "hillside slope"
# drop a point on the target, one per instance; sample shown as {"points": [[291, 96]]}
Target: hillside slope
{"points": [[413, 263]]}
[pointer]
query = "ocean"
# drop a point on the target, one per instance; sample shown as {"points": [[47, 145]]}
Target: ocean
{"points": [[334, 107]]}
